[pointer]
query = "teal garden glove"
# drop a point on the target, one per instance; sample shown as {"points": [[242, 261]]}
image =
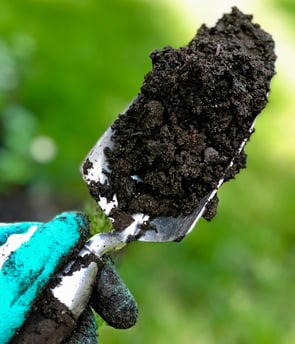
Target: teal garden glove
{"points": [[31, 253]]}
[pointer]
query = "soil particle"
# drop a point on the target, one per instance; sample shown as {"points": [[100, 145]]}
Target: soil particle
{"points": [[86, 166], [194, 110], [122, 219]]}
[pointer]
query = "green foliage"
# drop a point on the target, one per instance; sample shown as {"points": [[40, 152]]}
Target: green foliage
{"points": [[99, 222], [86, 62], [17, 124]]}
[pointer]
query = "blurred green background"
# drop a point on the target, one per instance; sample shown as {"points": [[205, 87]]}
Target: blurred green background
{"points": [[67, 68]]}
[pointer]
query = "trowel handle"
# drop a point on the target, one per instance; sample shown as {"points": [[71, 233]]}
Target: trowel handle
{"points": [[76, 284], [66, 302], [70, 297], [39, 329], [78, 277]]}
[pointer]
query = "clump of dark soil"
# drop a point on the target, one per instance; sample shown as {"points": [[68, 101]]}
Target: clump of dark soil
{"points": [[194, 110]]}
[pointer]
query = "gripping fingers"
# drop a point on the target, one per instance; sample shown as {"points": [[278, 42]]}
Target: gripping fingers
{"points": [[111, 298], [31, 253]]}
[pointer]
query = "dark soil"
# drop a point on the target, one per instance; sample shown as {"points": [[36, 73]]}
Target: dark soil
{"points": [[194, 110], [42, 328]]}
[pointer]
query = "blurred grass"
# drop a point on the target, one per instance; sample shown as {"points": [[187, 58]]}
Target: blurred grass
{"points": [[76, 65], [87, 62]]}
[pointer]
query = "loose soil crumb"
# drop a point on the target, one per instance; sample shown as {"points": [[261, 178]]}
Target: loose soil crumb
{"points": [[194, 110]]}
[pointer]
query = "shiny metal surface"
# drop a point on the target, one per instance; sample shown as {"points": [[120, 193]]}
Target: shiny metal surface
{"points": [[75, 287]]}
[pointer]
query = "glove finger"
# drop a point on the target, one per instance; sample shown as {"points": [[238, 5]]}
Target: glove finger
{"points": [[111, 298], [26, 270], [8, 229], [86, 330]]}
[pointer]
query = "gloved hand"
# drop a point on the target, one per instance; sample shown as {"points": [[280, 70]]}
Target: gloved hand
{"points": [[31, 253]]}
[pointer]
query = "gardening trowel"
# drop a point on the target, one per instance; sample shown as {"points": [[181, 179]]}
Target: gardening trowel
{"points": [[76, 287], [77, 280], [245, 67]]}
